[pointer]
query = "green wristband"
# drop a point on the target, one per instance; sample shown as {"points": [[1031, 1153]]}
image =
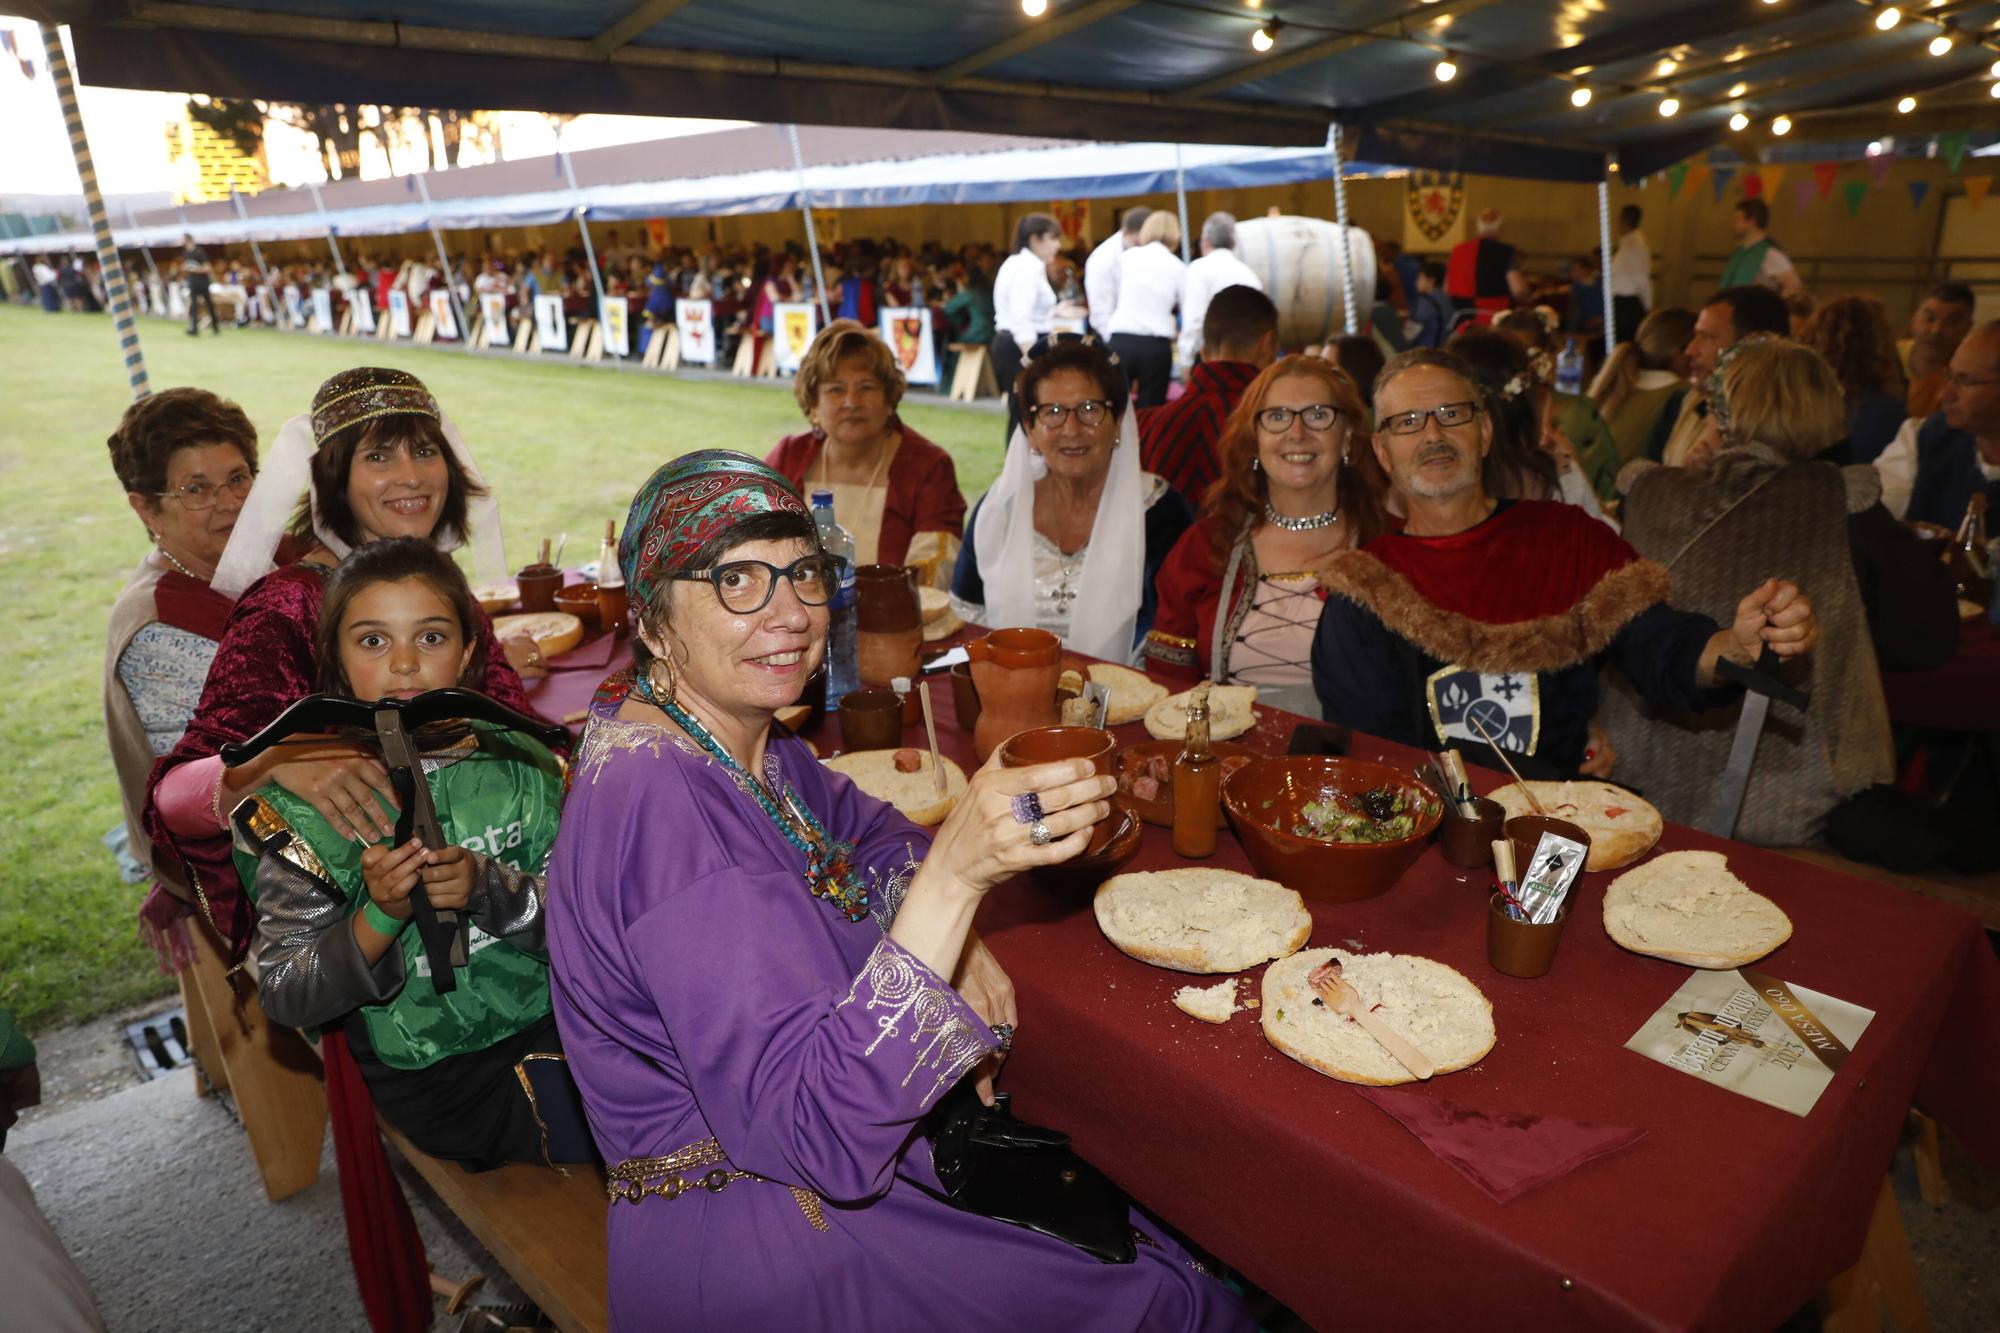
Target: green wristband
{"points": [[383, 923]]}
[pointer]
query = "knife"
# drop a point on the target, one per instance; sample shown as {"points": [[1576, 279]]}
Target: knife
{"points": [[1761, 685]]}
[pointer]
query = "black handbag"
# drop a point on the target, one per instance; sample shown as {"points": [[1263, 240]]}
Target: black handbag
{"points": [[1026, 1175]]}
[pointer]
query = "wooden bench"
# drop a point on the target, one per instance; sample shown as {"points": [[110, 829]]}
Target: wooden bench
{"points": [[973, 376]]}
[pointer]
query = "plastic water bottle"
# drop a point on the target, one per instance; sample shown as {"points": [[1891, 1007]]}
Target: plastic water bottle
{"points": [[842, 676], [1569, 369]]}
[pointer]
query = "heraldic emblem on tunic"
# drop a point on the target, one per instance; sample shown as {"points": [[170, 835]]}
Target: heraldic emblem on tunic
{"points": [[1508, 704]]}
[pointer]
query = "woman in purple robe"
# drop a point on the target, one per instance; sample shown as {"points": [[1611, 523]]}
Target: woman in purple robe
{"points": [[765, 978]]}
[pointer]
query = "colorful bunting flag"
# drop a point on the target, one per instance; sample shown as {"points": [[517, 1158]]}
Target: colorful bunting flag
{"points": [[1773, 173], [1953, 147], [1677, 175], [1697, 173], [1918, 189], [1803, 194], [1753, 185], [1722, 175], [1975, 190], [1852, 192], [1878, 167], [1823, 174]]}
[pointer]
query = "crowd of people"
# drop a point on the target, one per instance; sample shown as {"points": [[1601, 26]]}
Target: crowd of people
{"points": [[721, 938]]}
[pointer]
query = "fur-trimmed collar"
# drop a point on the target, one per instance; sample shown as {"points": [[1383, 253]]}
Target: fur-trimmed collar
{"points": [[1547, 643]]}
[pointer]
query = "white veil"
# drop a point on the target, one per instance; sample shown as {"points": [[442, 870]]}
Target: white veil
{"points": [[287, 473], [1104, 617]]}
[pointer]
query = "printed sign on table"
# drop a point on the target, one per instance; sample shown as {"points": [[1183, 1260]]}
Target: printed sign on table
{"points": [[1755, 1035], [323, 309], [907, 330], [363, 306], [399, 313], [617, 333], [549, 325], [493, 318], [796, 324], [444, 322], [177, 300], [696, 321]]}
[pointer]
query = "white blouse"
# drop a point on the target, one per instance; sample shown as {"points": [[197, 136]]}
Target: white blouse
{"points": [[1024, 305], [1149, 288]]}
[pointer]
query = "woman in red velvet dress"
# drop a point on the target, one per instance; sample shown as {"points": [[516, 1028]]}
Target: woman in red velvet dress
{"points": [[890, 485], [1239, 593], [375, 458]]}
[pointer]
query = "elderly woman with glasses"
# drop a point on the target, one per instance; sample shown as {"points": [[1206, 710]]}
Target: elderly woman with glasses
{"points": [[1485, 620], [1239, 594], [764, 978], [1071, 537], [186, 459]]}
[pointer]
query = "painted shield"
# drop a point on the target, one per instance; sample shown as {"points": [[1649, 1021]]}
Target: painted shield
{"points": [[909, 331], [1434, 201], [1507, 705], [798, 332]]}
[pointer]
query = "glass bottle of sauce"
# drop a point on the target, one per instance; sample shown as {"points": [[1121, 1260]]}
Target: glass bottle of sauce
{"points": [[1197, 785], [1966, 556]]}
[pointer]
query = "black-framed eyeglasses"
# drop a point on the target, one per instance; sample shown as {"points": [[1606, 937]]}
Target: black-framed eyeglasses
{"points": [[745, 586], [1447, 414], [1318, 417], [1090, 412], [198, 496]]}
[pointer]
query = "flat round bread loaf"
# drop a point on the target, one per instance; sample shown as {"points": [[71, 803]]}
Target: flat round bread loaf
{"points": [[1686, 907], [1622, 827], [493, 598], [1132, 692], [933, 604], [1229, 713], [1196, 919], [554, 632], [1429, 1005], [915, 794]]}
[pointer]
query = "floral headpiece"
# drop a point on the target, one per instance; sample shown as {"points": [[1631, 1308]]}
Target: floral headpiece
{"points": [[364, 393], [685, 503], [1718, 399]]}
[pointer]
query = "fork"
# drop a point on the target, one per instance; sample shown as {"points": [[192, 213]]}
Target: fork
{"points": [[1340, 995]]}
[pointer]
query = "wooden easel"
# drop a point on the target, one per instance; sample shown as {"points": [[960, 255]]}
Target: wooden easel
{"points": [[973, 376]]}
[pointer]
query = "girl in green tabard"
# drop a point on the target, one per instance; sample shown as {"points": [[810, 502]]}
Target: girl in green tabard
{"points": [[473, 1074]]}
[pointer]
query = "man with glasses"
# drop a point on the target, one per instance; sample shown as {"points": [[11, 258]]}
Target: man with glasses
{"points": [[1932, 468], [1484, 622]]}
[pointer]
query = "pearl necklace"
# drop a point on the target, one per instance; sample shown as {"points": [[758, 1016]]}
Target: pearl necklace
{"points": [[829, 865], [161, 548], [1310, 523]]}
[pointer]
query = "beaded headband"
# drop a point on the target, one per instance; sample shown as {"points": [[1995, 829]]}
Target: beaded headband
{"points": [[365, 393], [686, 503]]}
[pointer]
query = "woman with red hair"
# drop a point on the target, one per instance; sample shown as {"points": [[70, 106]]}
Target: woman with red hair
{"points": [[1239, 596]]}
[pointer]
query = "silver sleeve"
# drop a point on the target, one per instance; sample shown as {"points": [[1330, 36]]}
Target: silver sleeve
{"points": [[310, 968], [507, 903]]}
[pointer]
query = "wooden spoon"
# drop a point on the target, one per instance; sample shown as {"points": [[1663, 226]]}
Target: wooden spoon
{"points": [[1338, 992], [1494, 746]]}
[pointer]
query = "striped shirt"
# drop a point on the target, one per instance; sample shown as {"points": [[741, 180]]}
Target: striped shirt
{"points": [[1179, 440]]}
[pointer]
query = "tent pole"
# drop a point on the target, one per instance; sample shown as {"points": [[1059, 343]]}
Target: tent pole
{"points": [[444, 267], [812, 232], [331, 243], [255, 253], [132, 221], [1180, 199], [1604, 263], [589, 250], [1340, 216], [110, 266]]}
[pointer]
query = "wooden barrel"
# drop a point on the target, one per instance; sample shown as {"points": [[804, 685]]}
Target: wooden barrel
{"points": [[1300, 269]]}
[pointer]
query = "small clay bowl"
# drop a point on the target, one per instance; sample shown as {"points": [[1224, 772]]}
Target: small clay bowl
{"points": [[1525, 832], [1518, 948], [1468, 841], [1046, 745], [871, 720], [1264, 798], [580, 600]]}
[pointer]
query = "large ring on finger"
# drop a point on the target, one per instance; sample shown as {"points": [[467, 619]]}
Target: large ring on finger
{"points": [[1027, 807], [1040, 833], [1004, 1034]]}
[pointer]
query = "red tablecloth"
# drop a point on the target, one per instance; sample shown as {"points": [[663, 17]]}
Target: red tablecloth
{"points": [[1961, 695], [1728, 1214]]}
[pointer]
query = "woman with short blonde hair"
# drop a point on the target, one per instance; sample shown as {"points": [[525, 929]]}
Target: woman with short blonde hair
{"points": [[1142, 327], [1783, 396], [894, 490]]}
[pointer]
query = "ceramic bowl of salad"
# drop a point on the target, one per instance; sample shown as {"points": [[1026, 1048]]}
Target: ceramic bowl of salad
{"points": [[1332, 828]]}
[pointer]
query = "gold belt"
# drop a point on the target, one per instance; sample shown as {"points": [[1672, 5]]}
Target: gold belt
{"points": [[675, 1174]]}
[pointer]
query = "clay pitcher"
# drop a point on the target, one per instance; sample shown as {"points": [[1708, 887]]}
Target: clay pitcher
{"points": [[1015, 672], [888, 624]]}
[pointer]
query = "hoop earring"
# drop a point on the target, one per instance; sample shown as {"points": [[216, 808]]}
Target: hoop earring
{"points": [[664, 691]]}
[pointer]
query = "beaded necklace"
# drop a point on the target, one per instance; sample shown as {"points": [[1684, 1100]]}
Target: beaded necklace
{"points": [[830, 870]]}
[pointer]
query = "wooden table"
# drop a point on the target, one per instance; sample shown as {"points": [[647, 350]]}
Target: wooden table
{"points": [[1728, 1214]]}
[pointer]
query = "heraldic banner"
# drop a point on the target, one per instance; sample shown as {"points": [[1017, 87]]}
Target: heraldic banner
{"points": [[696, 321], [796, 324], [907, 330], [1433, 211]]}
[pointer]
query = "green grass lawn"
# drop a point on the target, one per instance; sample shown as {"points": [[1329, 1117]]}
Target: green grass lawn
{"points": [[563, 446]]}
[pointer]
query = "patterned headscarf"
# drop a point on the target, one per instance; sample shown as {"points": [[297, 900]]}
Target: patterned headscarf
{"points": [[686, 503], [365, 393]]}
